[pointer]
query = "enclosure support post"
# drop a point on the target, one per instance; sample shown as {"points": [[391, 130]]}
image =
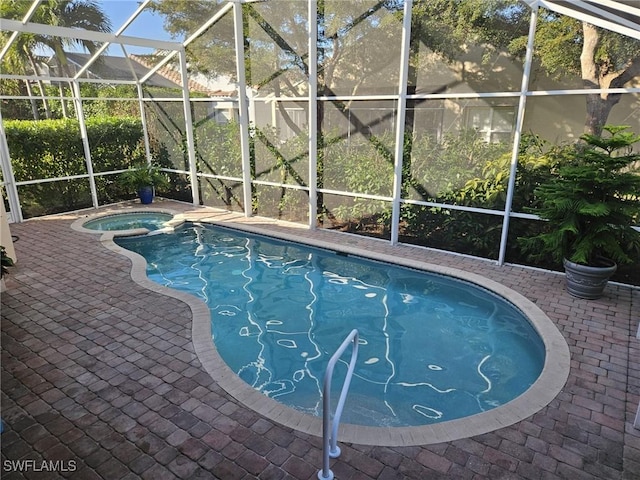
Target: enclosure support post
{"points": [[191, 148], [243, 109], [402, 111], [77, 102], [8, 177], [143, 118], [517, 136], [313, 113]]}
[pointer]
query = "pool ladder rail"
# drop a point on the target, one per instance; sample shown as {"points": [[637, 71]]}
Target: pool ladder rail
{"points": [[330, 429]]}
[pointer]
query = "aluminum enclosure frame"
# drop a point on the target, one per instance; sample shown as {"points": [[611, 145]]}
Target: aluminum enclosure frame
{"points": [[619, 16]]}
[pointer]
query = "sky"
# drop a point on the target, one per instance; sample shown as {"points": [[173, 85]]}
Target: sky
{"points": [[147, 25]]}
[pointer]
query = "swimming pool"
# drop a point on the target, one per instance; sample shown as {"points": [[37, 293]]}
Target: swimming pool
{"points": [[433, 349]]}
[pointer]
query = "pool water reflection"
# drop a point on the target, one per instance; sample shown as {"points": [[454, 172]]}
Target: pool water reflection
{"points": [[432, 348]]}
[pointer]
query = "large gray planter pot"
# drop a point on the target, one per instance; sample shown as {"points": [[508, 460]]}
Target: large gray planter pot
{"points": [[585, 281]]}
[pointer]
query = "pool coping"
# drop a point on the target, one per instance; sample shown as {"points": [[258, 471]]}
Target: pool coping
{"points": [[78, 224], [549, 384]]}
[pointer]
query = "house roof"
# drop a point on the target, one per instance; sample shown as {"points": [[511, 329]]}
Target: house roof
{"points": [[173, 75], [135, 67], [118, 68]]}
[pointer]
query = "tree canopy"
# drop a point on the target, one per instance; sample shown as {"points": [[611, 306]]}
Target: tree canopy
{"points": [[82, 14], [358, 43], [275, 34]]}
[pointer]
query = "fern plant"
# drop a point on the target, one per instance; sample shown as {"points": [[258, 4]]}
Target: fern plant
{"points": [[591, 202], [144, 175]]}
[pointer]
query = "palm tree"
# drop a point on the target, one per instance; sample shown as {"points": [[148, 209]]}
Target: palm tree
{"points": [[81, 14], [20, 55], [13, 62]]}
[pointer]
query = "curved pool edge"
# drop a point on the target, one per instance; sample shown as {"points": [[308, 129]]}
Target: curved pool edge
{"points": [[546, 388]]}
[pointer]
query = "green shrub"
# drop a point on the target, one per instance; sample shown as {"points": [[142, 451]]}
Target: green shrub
{"points": [[53, 148], [591, 202], [476, 233]]}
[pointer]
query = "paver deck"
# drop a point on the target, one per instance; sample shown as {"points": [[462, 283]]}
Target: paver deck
{"points": [[100, 380]]}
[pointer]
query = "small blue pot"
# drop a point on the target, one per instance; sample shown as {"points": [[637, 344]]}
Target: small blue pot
{"points": [[146, 195]]}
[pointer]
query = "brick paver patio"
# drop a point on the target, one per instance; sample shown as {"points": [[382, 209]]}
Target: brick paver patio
{"points": [[100, 380]]}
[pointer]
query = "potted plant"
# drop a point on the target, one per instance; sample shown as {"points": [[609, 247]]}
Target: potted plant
{"points": [[590, 205], [6, 262], [144, 179]]}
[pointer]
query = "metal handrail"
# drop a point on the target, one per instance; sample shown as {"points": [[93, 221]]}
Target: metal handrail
{"points": [[330, 443]]}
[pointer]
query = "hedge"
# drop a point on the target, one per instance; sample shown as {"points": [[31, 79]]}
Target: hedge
{"points": [[53, 148]]}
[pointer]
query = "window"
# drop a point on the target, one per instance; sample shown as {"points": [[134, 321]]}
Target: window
{"points": [[494, 124]]}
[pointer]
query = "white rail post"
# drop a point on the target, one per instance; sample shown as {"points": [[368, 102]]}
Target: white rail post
{"points": [[330, 442]]}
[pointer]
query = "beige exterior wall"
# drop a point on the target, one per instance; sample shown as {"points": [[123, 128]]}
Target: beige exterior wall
{"points": [[5, 233]]}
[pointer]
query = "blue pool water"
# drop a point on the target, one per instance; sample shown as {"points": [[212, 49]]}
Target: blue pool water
{"points": [[129, 221], [432, 348]]}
